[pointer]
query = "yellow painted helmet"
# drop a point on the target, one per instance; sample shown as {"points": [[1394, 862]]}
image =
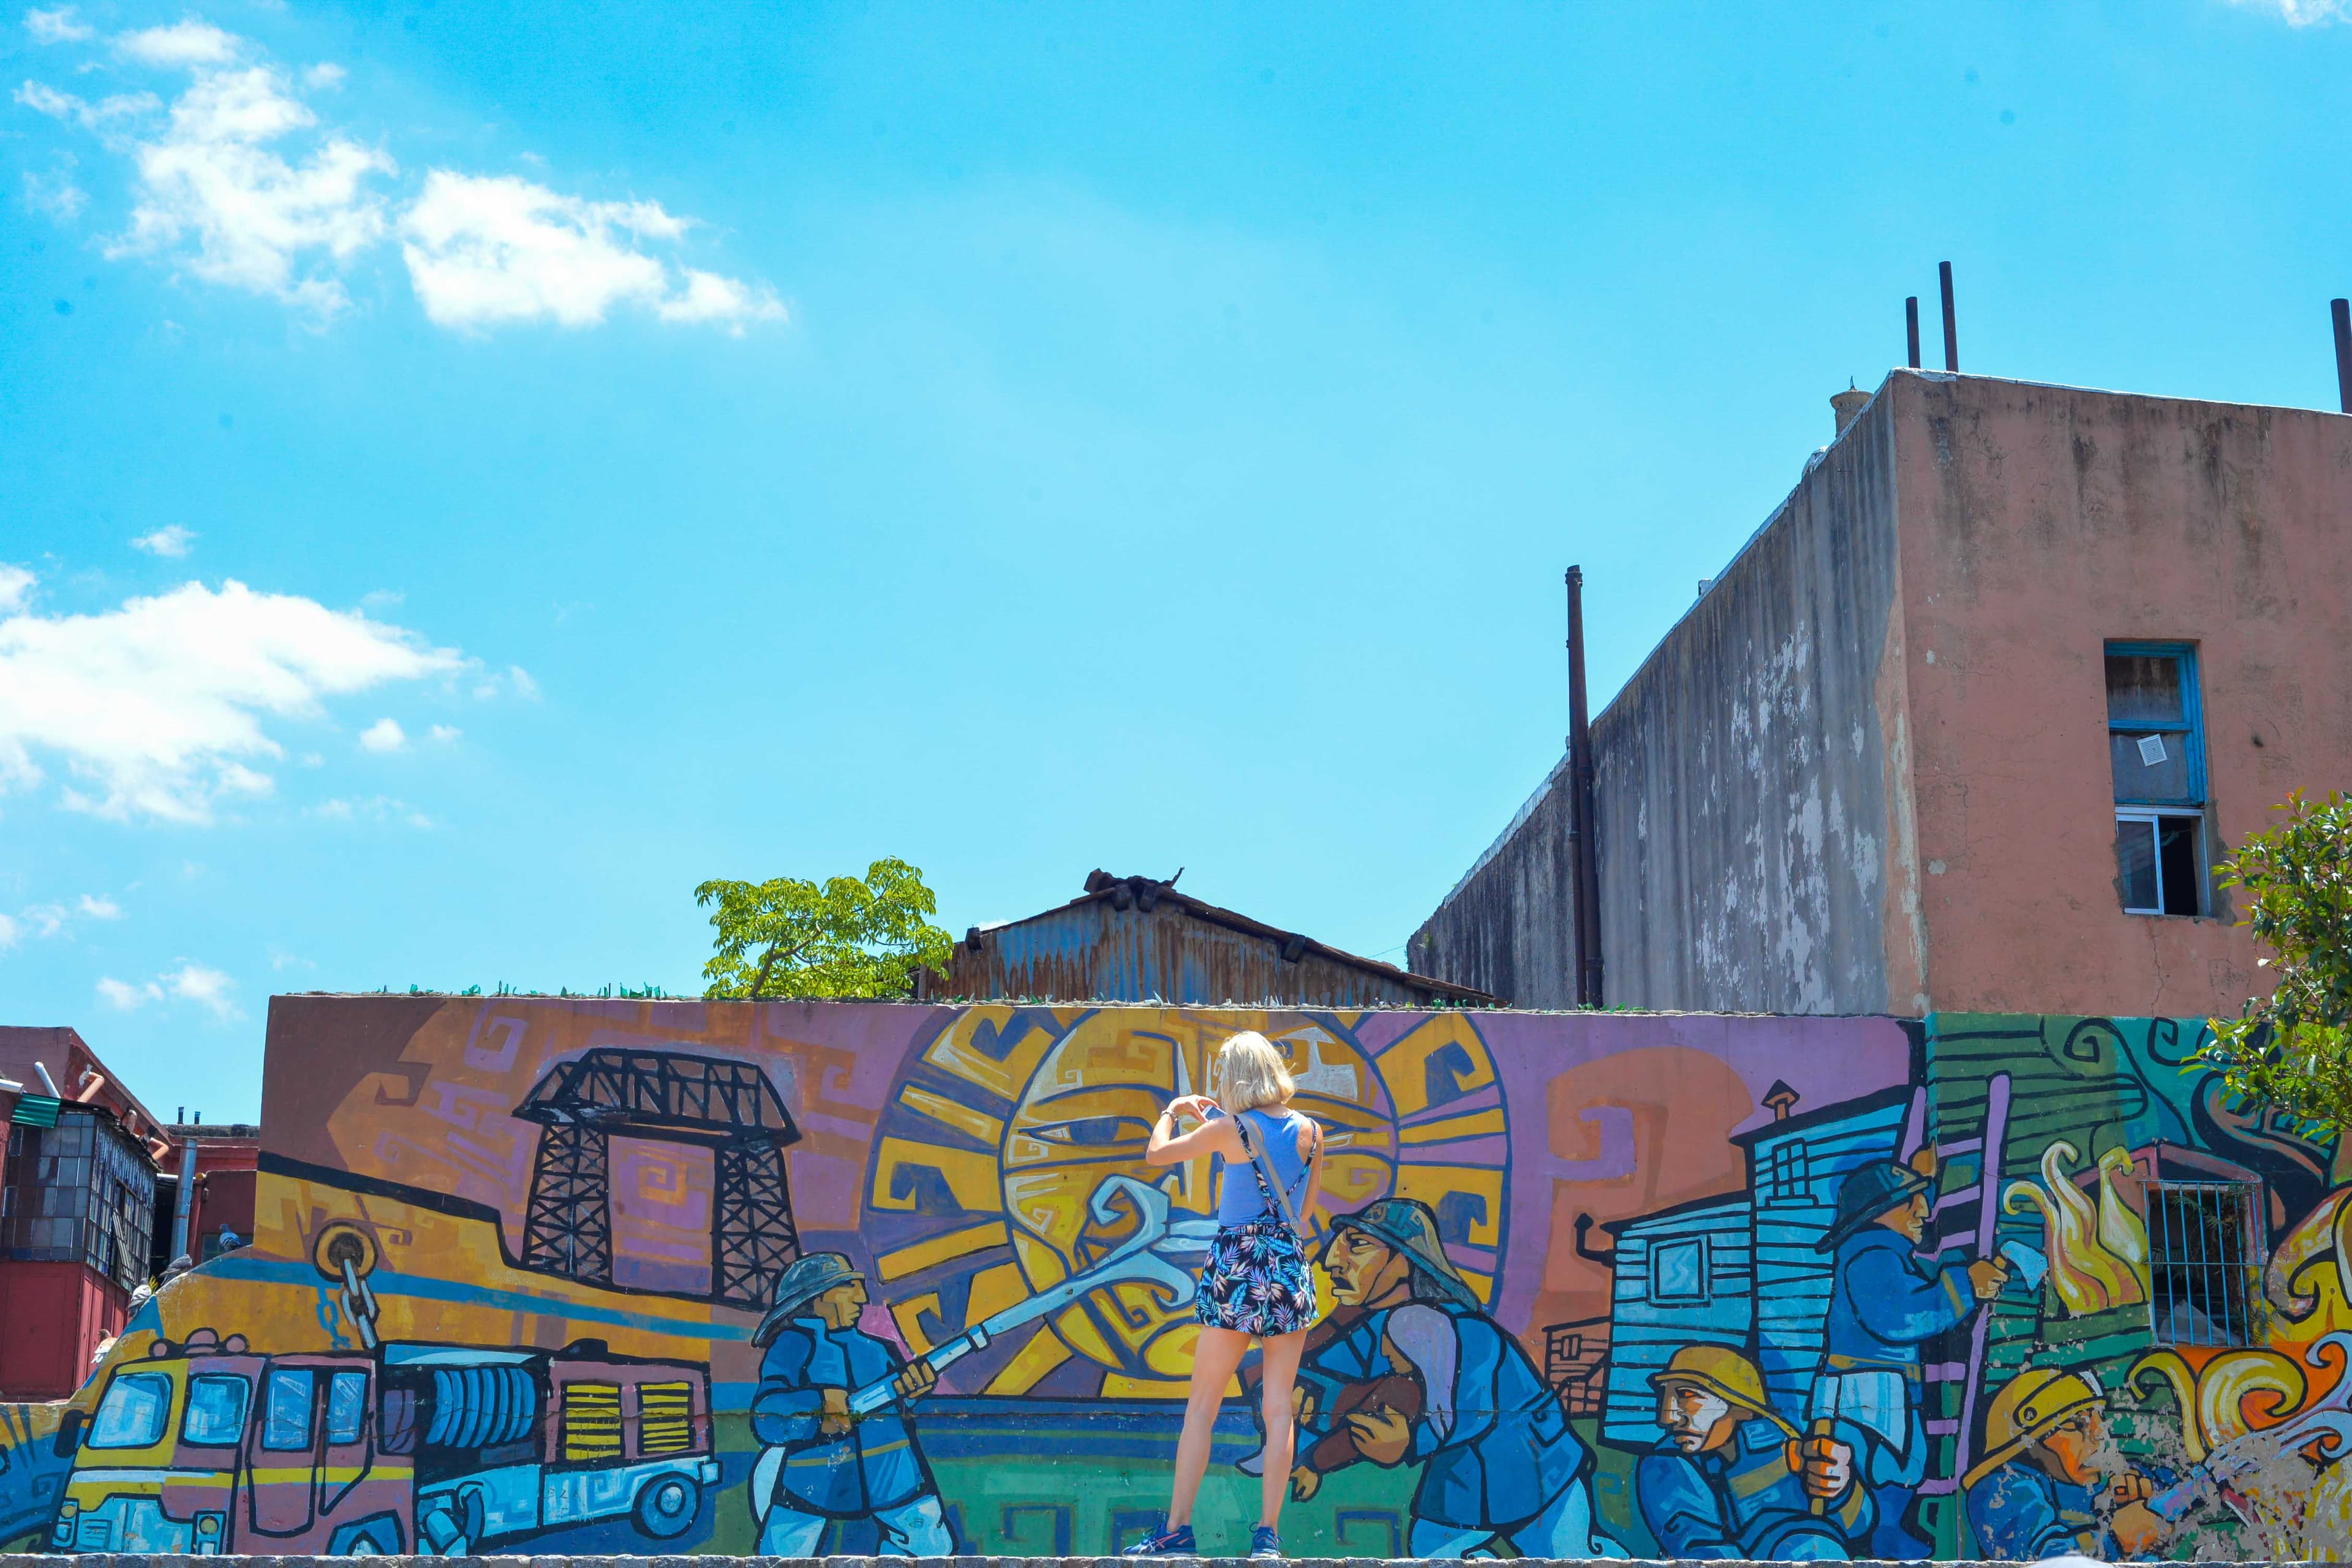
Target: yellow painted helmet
{"points": [[2028, 1406], [1724, 1373]]}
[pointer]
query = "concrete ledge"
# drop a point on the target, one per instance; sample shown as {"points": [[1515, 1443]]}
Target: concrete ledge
{"points": [[105, 1560]]}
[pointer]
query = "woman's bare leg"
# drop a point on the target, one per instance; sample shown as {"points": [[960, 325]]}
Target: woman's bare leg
{"points": [[1215, 1361], [1279, 1372]]}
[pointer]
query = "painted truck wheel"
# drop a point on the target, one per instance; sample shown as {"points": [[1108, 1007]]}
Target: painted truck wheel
{"points": [[668, 1505]]}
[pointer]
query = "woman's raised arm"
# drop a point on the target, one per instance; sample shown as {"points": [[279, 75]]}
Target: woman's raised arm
{"points": [[1168, 1148]]}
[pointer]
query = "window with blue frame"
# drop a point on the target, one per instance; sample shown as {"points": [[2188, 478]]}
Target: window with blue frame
{"points": [[2155, 749]]}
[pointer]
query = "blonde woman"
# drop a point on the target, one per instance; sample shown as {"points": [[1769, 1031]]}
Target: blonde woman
{"points": [[1257, 1283]]}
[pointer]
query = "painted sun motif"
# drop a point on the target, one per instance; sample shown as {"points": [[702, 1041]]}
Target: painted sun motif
{"points": [[1010, 1159]]}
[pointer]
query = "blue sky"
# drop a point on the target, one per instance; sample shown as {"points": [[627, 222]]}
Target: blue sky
{"points": [[469, 472]]}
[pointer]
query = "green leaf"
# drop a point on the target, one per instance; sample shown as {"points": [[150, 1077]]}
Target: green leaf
{"points": [[785, 937], [2293, 1051]]}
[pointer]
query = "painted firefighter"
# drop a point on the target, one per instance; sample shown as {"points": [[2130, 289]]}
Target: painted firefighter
{"points": [[2051, 1482], [820, 1461], [1887, 1303], [1731, 1479], [1415, 1370]]}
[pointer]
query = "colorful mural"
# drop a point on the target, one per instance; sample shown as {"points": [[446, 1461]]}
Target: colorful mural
{"points": [[553, 1276]]}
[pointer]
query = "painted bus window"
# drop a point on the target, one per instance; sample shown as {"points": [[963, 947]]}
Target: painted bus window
{"points": [[134, 1412], [215, 1411], [286, 1423], [346, 1407]]}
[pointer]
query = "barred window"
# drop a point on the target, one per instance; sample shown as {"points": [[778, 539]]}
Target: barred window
{"points": [[2205, 1244]]}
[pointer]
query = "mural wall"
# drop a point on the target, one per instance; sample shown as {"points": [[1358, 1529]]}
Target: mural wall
{"points": [[547, 1277]]}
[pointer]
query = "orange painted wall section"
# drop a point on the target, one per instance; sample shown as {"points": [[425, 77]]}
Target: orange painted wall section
{"points": [[2037, 523]]}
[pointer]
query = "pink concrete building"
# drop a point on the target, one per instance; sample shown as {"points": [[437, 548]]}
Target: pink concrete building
{"points": [[1964, 726]]}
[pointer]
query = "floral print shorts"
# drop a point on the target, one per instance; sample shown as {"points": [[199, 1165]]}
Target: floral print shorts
{"points": [[1256, 1281]]}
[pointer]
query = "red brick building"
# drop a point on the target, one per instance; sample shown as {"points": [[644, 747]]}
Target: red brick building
{"points": [[78, 1209], [220, 1187]]}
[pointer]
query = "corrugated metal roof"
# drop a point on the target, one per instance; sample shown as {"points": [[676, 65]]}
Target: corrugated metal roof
{"points": [[1138, 939]]}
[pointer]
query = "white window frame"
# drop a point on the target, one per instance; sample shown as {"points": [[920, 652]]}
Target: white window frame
{"points": [[2152, 815]]}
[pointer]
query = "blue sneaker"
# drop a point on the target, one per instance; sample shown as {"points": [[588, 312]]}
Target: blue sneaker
{"points": [[1176, 1542], [1265, 1546]]}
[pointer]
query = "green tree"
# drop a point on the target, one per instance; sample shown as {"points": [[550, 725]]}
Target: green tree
{"points": [[2295, 1050], [790, 938]]}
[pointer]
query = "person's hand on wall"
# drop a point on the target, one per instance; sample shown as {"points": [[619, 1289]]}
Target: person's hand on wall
{"points": [[1824, 1466], [833, 1418], [1988, 1277], [920, 1378], [1382, 1436], [1303, 1482]]}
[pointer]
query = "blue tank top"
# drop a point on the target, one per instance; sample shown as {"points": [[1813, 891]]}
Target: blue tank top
{"points": [[1239, 1200]]}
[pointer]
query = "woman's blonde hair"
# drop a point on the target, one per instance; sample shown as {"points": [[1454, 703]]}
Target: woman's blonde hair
{"points": [[1252, 1071]]}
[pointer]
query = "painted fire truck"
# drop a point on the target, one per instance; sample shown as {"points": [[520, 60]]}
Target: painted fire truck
{"points": [[207, 1448]]}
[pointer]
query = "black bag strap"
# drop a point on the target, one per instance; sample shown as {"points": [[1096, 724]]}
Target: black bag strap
{"points": [[1266, 1177]]}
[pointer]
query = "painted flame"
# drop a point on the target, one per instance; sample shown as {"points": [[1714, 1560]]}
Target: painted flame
{"points": [[2098, 1251]]}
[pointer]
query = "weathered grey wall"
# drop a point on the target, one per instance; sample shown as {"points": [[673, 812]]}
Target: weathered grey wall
{"points": [[1742, 772], [1509, 928], [1743, 780]]}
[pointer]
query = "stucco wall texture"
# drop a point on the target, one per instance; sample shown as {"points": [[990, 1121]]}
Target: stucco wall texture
{"points": [[1868, 771]]}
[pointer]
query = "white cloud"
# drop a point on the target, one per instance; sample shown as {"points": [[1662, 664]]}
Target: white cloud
{"points": [[16, 587], [207, 987], [54, 196], [171, 540], [383, 735], [43, 98], [51, 920], [516, 679], [383, 598], [8, 934], [115, 994], [57, 26], [188, 43], [2300, 13], [487, 250], [374, 808], [446, 733], [242, 185], [157, 708], [255, 220]]}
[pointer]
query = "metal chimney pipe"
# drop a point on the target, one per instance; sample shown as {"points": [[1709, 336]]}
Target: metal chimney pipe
{"points": [[2342, 311], [1586, 857], [1911, 328], [185, 1200], [1951, 327]]}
